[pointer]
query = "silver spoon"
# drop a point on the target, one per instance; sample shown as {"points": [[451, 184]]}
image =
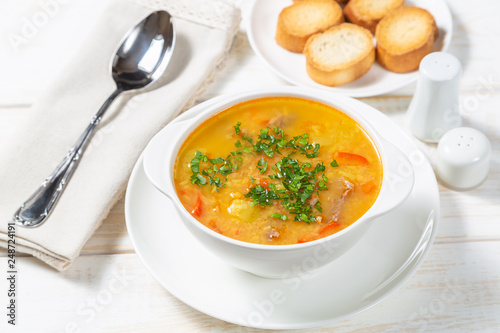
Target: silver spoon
{"points": [[140, 60]]}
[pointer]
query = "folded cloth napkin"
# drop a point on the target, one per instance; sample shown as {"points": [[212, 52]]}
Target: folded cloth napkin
{"points": [[205, 30]]}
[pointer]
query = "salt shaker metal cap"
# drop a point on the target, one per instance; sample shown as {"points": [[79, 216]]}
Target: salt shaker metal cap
{"points": [[434, 109]]}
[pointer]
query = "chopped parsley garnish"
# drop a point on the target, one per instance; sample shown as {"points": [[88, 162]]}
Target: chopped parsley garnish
{"points": [[298, 182], [218, 165], [261, 196]]}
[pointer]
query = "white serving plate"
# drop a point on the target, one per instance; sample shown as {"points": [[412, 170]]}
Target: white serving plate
{"points": [[292, 66], [383, 260]]}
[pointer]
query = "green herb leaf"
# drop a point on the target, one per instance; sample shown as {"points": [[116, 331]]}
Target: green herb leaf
{"points": [[280, 216], [202, 180], [318, 207], [262, 165], [249, 140], [195, 162], [237, 128], [225, 170], [216, 160]]}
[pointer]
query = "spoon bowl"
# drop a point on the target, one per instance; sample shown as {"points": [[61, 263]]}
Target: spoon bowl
{"points": [[144, 53], [141, 59]]}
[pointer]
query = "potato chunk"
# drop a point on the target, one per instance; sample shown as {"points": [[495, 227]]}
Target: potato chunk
{"points": [[242, 209]]}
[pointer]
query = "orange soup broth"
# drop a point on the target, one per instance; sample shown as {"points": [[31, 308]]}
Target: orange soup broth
{"points": [[227, 211]]}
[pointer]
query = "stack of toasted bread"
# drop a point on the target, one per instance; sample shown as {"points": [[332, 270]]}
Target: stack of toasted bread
{"points": [[337, 52]]}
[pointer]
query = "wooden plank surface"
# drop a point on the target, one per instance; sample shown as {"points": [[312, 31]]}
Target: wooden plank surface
{"points": [[457, 288]]}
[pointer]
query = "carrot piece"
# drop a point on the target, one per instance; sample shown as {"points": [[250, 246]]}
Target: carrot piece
{"points": [[344, 158], [212, 225], [265, 185], [368, 186], [258, 182], [183, 192], [263, 122], [197, 207], [330, 228], [307, 238]]}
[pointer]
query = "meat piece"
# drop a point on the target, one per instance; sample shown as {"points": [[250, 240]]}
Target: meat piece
{"points": [[336, 209], [280, 120], [338, 203], [347, 188], [272, 233], [313, 201]]}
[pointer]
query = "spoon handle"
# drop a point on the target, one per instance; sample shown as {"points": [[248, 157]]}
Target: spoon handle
{"points": [[37, 208]]}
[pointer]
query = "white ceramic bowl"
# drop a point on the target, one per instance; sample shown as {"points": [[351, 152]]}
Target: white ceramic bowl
{"points": [[278, 261]]}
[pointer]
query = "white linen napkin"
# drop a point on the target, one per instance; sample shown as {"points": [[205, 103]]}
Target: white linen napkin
{"points": [[205, 30]]}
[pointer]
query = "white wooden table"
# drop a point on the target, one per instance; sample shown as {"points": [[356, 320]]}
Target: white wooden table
{"points": [[108, 289]]}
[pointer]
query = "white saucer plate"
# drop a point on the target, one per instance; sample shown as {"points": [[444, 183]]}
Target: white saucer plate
{"points": [[390, 252], [292, 66]]}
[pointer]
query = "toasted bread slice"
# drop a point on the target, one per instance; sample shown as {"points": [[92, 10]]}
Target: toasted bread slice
{"points": [[367, 13], [302, 19], [339, 55], [404, 37]]}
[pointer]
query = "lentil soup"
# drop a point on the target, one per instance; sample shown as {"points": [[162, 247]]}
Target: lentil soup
{"points": [[278, 170]]}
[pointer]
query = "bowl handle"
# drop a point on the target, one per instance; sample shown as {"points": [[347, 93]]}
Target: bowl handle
{"points": [[397, 184], [159, 161]]}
